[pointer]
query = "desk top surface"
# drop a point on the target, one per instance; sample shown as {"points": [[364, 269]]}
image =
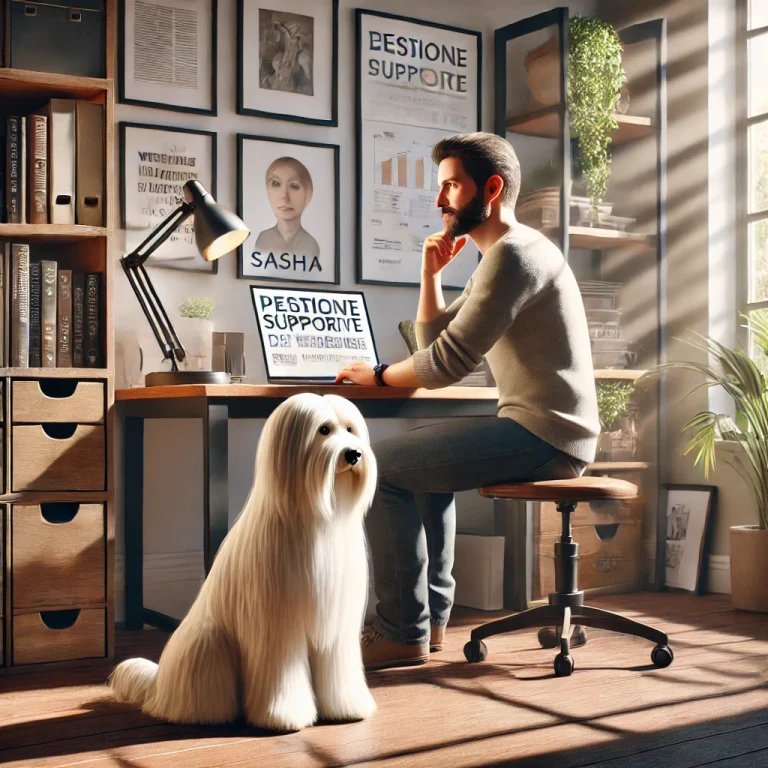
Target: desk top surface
{"points": [[350, 391]]}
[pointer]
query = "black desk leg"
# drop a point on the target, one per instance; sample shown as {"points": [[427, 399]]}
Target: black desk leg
{"points": [[133, 510], [215, 479]]}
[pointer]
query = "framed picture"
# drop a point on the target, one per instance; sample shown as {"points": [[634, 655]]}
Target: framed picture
{"points": [[287, 60], [288, 196], [417, 82], [689, 509], [166, 54], [310, 335], [155, 163]]}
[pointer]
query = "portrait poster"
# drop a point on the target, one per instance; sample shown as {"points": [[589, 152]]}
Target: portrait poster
{"points": [[688, 511], [312, 334], [155, 163], [416, 83], [288, 196], [288, 60], [167, 54]]}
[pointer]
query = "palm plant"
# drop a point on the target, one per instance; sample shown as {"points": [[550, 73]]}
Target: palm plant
{"points": [[740, 377]]}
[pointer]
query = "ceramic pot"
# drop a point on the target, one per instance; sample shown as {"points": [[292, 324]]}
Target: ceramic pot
{"points": [[196, 334], [749, 568]]}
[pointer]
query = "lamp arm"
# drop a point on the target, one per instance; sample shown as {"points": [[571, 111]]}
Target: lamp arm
{"points": [[160, 233]]}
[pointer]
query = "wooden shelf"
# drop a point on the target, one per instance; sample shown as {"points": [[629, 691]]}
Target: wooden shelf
{"points": [[51, 233], [618, 374], [596, 239], [545, 123], [617, 466], [55, 373], [22, 83]]}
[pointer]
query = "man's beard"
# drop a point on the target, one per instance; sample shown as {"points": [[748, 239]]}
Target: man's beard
{"points": [[468, 218]]}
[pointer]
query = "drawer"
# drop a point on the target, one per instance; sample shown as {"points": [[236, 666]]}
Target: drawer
{"points": [[59, 555], [58, 457], [59, 636], [548, 521], [57, 400]]}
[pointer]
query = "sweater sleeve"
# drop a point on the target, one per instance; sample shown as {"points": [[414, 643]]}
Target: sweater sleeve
{"points": [[501, 287], [426, 333]]}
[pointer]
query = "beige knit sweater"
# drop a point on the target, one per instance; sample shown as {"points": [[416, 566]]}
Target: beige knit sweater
{"points": [[523, 312]]}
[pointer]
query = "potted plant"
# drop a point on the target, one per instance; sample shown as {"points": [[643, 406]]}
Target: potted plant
{"points": [[196, 331], [744, 382], [617, 437]]}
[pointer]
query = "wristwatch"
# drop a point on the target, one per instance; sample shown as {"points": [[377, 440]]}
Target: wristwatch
{"points": [[378, 371]]}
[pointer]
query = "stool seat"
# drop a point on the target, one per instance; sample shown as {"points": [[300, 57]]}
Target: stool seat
{"points": [[577, 489]]}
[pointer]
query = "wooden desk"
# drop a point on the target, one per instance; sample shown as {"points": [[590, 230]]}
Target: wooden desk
{"points": [[215, 405]]}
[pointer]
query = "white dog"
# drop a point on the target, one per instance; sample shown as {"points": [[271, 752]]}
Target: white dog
{"points": [[274, 633]]}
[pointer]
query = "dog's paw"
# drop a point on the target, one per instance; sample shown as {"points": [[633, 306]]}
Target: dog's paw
{"points": [[359, 706]]}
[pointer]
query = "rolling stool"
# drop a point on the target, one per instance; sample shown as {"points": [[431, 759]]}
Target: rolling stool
{"points": [[566, 604]]}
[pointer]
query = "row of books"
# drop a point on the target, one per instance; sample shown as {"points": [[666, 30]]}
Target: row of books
{"points": [[54, 313], [53, 165]]}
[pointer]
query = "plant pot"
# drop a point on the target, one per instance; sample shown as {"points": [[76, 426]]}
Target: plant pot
{"points": [[749, 568], [196, 334]]}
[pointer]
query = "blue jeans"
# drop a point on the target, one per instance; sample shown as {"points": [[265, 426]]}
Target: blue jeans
{"points": [[412, 523]]}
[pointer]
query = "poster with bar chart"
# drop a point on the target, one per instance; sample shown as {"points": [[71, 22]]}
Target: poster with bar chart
{"points": [[417, 83]]}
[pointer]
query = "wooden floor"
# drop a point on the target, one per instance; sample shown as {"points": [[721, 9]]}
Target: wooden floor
{"points": [[616, 711]]}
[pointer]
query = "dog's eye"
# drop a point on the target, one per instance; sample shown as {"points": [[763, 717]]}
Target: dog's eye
{"points": [[325, 430], [349, 429]]}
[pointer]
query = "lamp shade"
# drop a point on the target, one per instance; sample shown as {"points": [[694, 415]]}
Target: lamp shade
{"points": [[217, 230]]}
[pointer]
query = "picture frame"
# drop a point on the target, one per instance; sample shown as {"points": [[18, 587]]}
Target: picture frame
{"points": [[311, 222], [172, 156], [688, 513], [170, 83], [309, 335], [305, 90], [404, 104]]}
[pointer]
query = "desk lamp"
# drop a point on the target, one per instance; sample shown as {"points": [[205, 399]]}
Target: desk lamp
{"points": [[217, 232]]}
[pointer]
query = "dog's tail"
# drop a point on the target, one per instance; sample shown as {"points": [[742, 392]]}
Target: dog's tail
{"points": [[133, 681]]}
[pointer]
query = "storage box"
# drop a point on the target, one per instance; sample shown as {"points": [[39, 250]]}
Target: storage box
{"points": [[479, 571]]}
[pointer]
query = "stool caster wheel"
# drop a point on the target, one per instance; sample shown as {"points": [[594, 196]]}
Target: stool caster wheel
{"points": [[662, 656], [563, 665], [549, 638], [475, 651]]}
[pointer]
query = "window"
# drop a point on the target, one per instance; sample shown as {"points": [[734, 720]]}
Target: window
{"points": [[755, 204]]}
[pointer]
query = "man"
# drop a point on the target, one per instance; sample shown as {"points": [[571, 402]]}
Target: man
{"points": [[522, 311]]}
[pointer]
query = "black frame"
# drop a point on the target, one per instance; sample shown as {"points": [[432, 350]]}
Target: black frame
{"points": [[243, 110], [359, 12], [305, 379], [123, 127], [241, 139], [706, 535], [121, 98]]}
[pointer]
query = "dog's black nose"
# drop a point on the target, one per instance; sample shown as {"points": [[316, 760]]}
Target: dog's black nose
{"points": [[352, 456]]}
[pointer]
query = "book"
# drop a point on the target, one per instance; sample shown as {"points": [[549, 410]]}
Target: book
{"points": [[23, 171], [48, 314], [12, 170], [37, 178], [20, 305], [78, 319], [64, 314], [35, 307], [92, 321]]}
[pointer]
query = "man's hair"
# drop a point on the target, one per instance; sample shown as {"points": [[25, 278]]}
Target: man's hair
{"points": [[483, 155], [298, 168]]}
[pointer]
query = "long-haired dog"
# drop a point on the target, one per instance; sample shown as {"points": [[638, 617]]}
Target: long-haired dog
{"points": [[274, 633]]}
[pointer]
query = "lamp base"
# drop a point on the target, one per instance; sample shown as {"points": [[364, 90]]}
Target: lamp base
{"points": [[172, 378]]}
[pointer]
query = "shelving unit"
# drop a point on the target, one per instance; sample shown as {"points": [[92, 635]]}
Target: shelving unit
{"points": [[56, 491], [540, 132]]}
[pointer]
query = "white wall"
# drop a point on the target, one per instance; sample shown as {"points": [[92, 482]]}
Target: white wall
{"points": [[173, 464]]}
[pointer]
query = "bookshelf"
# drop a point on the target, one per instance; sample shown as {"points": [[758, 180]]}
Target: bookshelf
{"points": [[56, 488]]}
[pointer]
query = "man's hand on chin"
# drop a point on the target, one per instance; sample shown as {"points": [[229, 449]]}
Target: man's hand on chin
{"points": [[357, 373]]}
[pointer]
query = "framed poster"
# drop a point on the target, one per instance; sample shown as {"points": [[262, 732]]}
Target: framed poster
{"points": [[287, 60], [310, 335], [417, 82], [166, 54], [155, 163], [288, 195], [689, 509]]}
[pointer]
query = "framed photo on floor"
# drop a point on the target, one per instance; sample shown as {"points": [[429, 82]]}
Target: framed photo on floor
{"points": [[155, 163], [288, 196], [689, 511], [417, 82], [166, 54], [310, 335], [287, 60]]}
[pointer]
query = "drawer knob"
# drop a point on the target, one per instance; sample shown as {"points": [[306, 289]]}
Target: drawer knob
{"points": [[59, 619]]}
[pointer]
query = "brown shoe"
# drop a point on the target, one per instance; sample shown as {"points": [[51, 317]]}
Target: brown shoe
{"points": [[436, 637], [381, 653]]}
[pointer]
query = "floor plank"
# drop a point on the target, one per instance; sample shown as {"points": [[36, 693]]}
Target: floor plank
{"points": [[616, 710]]}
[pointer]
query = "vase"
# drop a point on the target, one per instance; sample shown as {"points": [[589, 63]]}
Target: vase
{"points": [[196, 336], [749, 568]]}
